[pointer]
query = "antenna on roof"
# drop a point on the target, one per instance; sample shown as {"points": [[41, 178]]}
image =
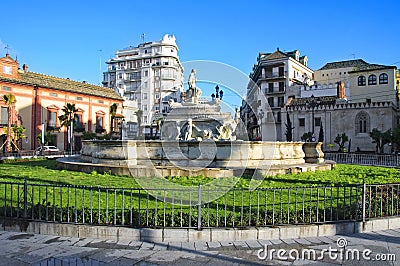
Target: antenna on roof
{"points": [[7, 48], [142, 37]]}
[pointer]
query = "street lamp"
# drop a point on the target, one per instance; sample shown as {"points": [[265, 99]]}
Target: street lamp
{"points": [[312, 103], [260, 118]]}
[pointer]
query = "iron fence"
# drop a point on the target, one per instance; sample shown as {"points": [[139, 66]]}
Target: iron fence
{"points": [[392, 160], [169, 207]]}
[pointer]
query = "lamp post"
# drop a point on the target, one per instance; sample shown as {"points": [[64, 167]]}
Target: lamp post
{"points": [[312, 103], [260, 121]]}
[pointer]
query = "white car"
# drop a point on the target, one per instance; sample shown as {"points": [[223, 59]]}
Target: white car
{"points": [[46, 149]]}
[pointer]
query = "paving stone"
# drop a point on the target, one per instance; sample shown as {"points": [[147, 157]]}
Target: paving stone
{"points": [[264, 242], [70, 242], [288, 241], [138, 255], [253, 244], [135, 244], [146, 246], [200, 245], [83, 242], [240, 245], [174, 246], [123, 242], [6, 234], [227, 245], [213, 245], [160, 246], [302, 241], [109, 255], [189, 246]]}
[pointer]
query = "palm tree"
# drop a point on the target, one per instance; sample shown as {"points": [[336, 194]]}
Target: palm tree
{"points": [[139, 114], [9, 100], [113, 112], [69, 114]]}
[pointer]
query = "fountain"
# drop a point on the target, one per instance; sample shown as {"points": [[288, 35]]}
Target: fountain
{"points": [[197, 139]]}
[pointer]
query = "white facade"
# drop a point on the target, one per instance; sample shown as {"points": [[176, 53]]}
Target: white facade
{"points": [[276, 75], [149, 75]]}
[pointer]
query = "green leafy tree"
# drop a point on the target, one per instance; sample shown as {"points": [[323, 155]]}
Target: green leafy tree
{"points": [[9, 100], [88, 135], [289, 128], [381, 138], [113, 113], [341, 140], [49, 139], [307, 137], [69, 114], [396, 137]]}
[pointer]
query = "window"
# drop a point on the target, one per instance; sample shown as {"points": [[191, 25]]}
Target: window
{"points": [[53, 94], [7, 70], [79, 98], [362, 122], [271, 101], [52, 119], [101, 101], [146, 73], [383, 78], [317, 121], [281, 101], [4, 115], [99, 123], [372, 80], [302, 122], [270, 87], [145, 96], [157, 109], [157, 96], [144, 107], [6, 88], [281, 86], [361, 81]]}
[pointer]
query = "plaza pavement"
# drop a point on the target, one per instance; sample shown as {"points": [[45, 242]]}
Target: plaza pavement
{"points": [[19, 248]]}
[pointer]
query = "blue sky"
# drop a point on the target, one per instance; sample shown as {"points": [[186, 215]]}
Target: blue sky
{"points": [[63, 38]]}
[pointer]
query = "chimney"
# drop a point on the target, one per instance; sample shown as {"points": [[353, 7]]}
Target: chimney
{"points": [[84, 81], [25, 67]]}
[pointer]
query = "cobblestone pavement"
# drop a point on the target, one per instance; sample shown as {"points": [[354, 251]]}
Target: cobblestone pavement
{"points": [[18, 248]]}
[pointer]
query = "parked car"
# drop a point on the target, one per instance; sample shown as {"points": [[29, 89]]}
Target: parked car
{"points": [[46, 149]]}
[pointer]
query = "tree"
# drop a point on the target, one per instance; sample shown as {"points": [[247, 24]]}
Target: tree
{"points": [[341, 140], [49, 139], [396, 137], [289, 129], [113, 112], [69, 114], [321, 134], [307, 137], [9, 100], [381, 138], [139, 114]]}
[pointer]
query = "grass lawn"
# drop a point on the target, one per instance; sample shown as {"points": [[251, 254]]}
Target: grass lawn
{"points": [[277, 200], [46, 172]]}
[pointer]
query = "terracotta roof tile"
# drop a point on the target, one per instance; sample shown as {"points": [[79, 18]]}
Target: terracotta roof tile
{"points": [[32, 78]]}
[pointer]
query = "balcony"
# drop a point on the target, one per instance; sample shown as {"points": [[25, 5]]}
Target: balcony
{"points": [[270, 76], [276, 90]]}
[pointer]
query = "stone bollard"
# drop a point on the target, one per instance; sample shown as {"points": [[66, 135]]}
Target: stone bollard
{"points": [[313, 152]]}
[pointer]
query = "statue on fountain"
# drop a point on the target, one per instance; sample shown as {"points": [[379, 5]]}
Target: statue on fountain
{"points": [[193, 93]]}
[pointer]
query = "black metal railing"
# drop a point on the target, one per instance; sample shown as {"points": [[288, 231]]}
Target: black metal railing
{"points": [[364, 159], [137, 207]]}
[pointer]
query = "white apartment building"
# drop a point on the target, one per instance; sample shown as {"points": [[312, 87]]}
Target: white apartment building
{"points": [[274, 76], [146, 76]]}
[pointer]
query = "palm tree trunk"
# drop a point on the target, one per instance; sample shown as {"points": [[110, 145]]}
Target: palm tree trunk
{"points": [[8, 144]]}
